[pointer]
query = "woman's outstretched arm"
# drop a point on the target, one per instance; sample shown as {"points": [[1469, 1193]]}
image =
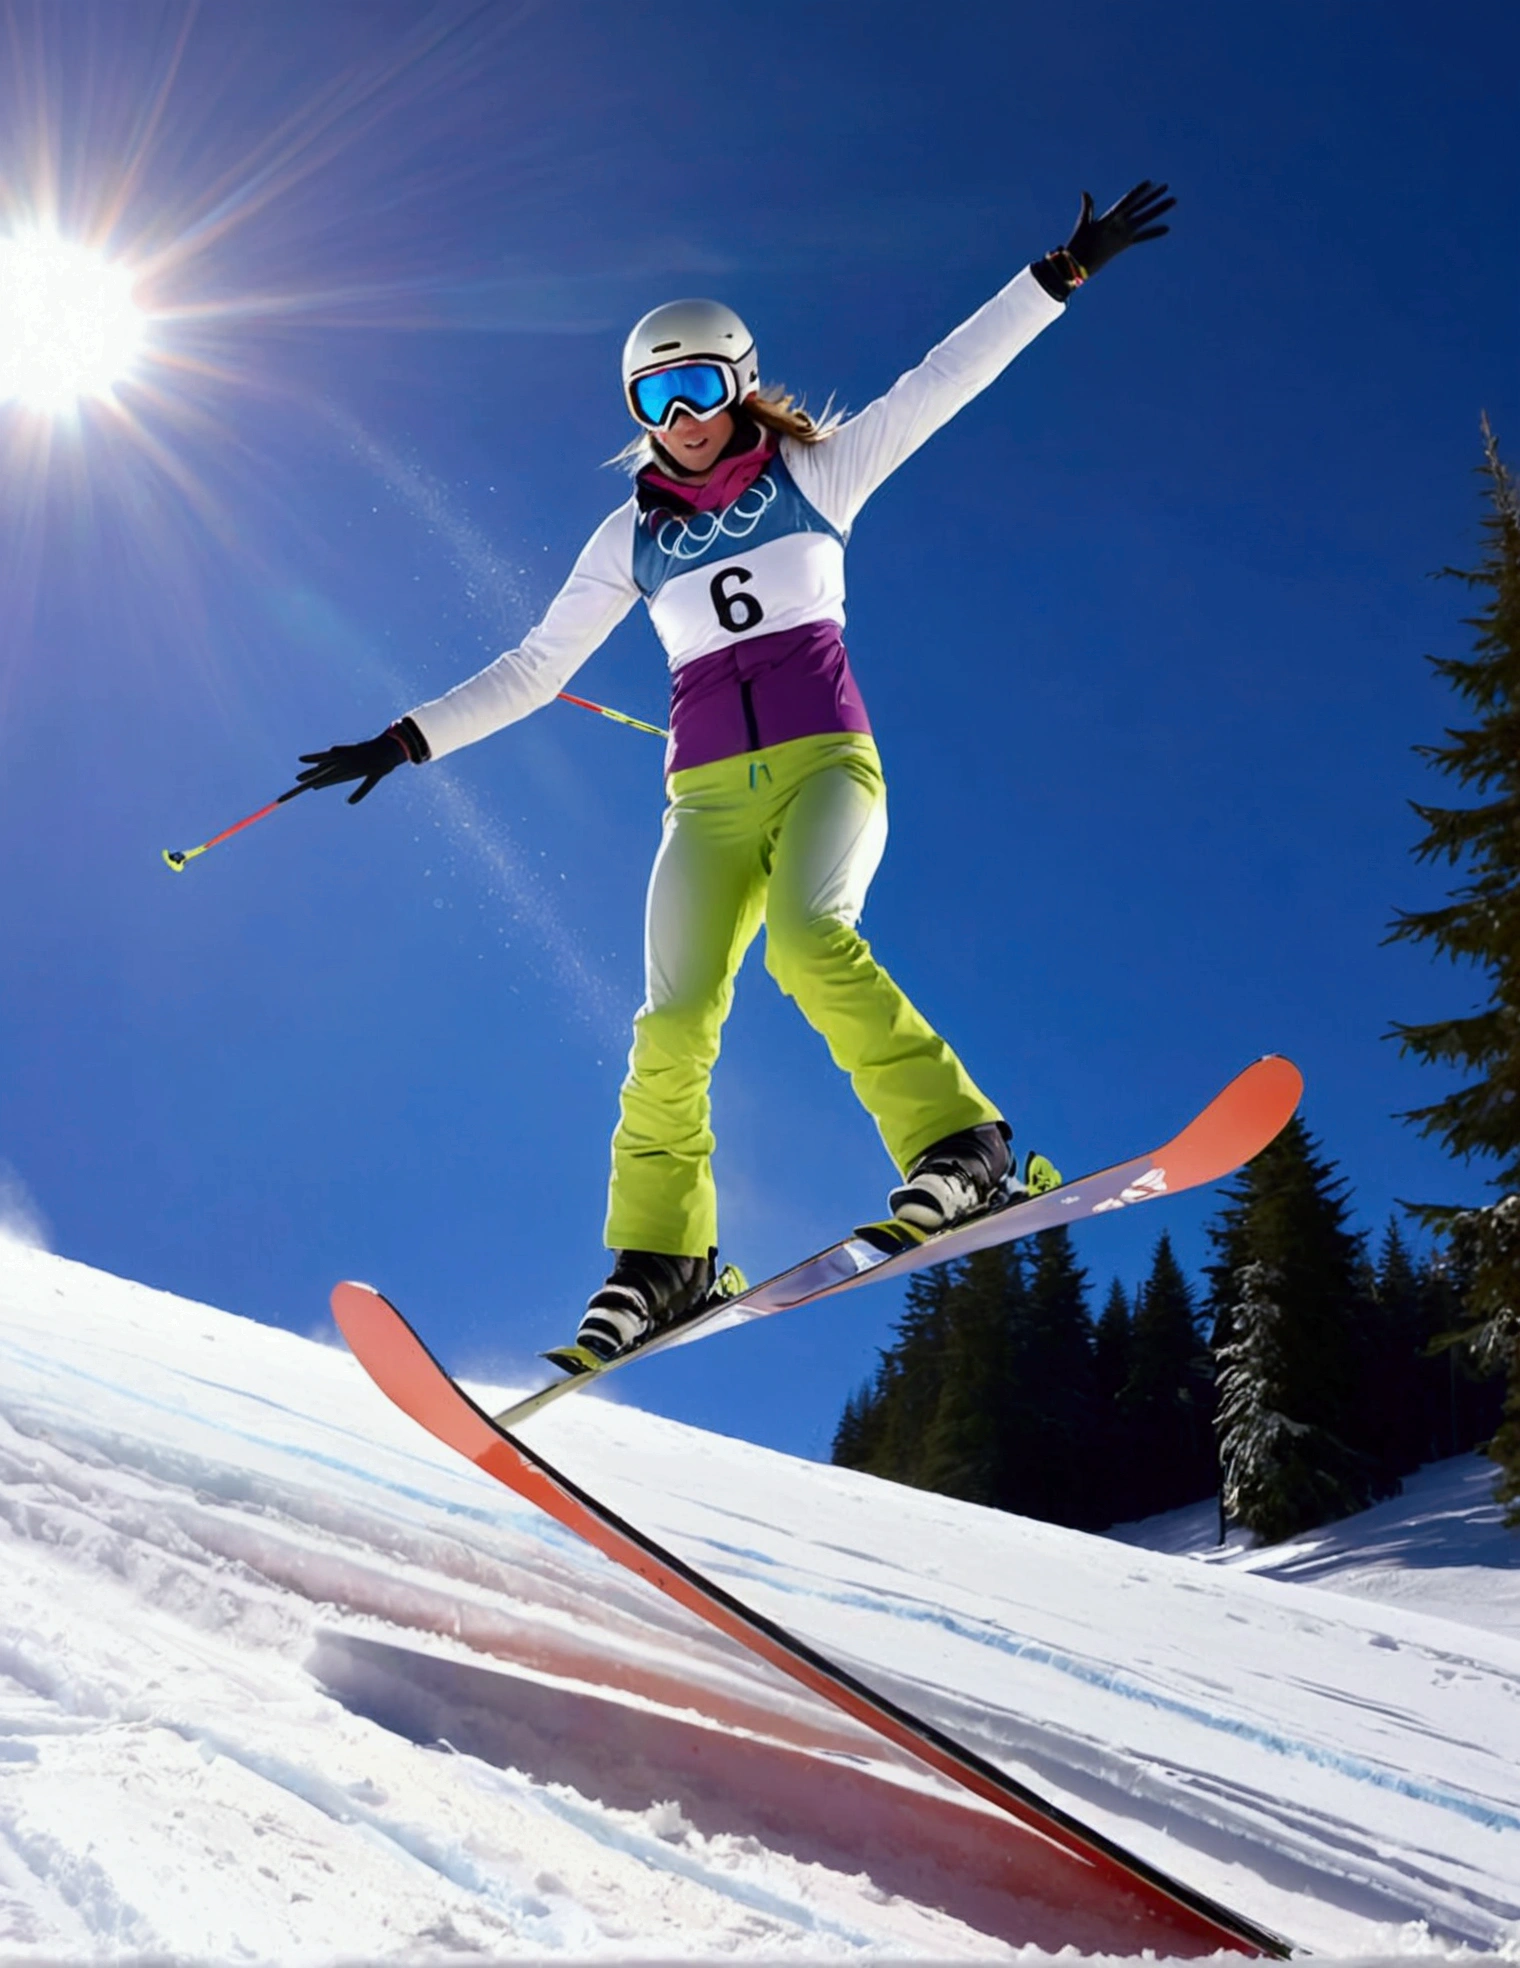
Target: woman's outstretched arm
{"points": [[839, 475], [596, 597], [598, 594]]}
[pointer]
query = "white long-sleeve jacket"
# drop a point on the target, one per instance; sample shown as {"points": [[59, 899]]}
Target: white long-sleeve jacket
{"points": [[754, 584]]}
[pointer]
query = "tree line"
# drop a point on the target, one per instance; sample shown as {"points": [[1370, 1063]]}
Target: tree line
{"points": [[1303, 1377], [1300, 1380]]}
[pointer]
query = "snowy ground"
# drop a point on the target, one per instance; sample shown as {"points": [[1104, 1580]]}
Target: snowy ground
{"points": [[1439, 1548], [280, 1679]]}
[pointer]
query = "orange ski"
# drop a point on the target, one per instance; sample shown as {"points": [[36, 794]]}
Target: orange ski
{"points": [[1052, 1856]]}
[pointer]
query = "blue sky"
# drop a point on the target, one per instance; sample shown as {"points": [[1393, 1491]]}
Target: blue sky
{"points": [[1141, 633]]}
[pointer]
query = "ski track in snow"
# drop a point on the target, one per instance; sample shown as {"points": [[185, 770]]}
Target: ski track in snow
{"points": [[280, 1678], [1111, 1681]]}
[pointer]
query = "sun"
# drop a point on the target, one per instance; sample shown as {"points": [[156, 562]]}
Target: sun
{"points": [[69, 327]]}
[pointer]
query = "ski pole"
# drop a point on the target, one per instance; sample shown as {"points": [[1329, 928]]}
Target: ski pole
{"points": [[177, 857], [618, 717]]}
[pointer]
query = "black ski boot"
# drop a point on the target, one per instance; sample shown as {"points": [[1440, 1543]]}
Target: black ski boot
{"points": [[644, 1291], [954, 1178]]}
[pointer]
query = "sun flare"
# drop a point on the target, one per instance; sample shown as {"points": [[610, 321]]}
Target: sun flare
{"points": [[69, 327]]}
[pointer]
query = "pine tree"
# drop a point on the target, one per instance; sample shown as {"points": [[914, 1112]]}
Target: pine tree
{"points": [[854, 1437], [1050, 1427], [1480, 925], [909, 1379], [885, 1424], [963, 1446], [1489, 1241], [1281, 1474], [1113, 1448], [1111, 1345], [1401, 1382], [1288, 1304], [1406, 1391], [1465, 1408], [1167, 1396]]}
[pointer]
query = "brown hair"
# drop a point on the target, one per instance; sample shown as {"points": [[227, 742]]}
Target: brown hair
{"points": [[773, 408]]}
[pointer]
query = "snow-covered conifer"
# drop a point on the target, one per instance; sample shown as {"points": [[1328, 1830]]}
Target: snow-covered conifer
{"points": [[1284, 1221], [1480, 925], [1281, 1474]]}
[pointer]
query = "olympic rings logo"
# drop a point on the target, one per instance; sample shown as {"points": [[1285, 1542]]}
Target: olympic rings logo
{"points": [[689, 539]]}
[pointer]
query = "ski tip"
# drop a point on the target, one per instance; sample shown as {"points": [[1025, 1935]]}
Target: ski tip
{"points": [[356, 1306], [1236, 1125], [346, 1285], [1280, 1081]]}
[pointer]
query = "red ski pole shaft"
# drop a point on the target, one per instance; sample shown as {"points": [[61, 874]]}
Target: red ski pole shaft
{"points": [[618, 717], [177, 857]]}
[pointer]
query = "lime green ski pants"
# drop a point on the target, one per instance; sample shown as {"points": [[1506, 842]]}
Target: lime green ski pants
{"points": [[790, 836]]}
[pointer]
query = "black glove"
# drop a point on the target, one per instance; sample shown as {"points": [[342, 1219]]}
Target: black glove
{"points": [[1094, 242], [400, 743]]}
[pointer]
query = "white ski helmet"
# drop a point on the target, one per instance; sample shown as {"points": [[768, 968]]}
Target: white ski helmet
{"points": [[691, 331]]}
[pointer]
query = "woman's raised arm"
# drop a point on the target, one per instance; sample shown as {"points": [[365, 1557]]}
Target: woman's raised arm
{"points": [[839, 475]]}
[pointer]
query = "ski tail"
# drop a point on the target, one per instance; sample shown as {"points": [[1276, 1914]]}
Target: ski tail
{"points": [[1062, 1860]]}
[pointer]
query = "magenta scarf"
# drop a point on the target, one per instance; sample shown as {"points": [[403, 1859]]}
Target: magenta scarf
{"points": [[728, 478]]}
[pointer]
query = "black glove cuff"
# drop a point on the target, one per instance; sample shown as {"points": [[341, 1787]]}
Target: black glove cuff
{"points": [[1060, 273], [409, 737]]}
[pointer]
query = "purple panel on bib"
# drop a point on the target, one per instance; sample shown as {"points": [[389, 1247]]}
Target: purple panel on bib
{"points": [[765, 691]]}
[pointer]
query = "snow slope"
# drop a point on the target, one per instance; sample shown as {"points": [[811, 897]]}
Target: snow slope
{"points": [[1440, 1547], [282, 1679]]}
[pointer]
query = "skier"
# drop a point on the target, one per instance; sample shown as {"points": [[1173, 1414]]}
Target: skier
{"points": [[735, 537]]}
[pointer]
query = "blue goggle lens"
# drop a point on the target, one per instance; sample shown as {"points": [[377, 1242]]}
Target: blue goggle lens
{"points": [[700, 387]]}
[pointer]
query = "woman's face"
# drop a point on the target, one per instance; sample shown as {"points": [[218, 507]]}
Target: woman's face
{"points": [[696, 447]]}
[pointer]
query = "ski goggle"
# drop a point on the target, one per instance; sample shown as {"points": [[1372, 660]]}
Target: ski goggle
{"points": [[700, 388]]}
